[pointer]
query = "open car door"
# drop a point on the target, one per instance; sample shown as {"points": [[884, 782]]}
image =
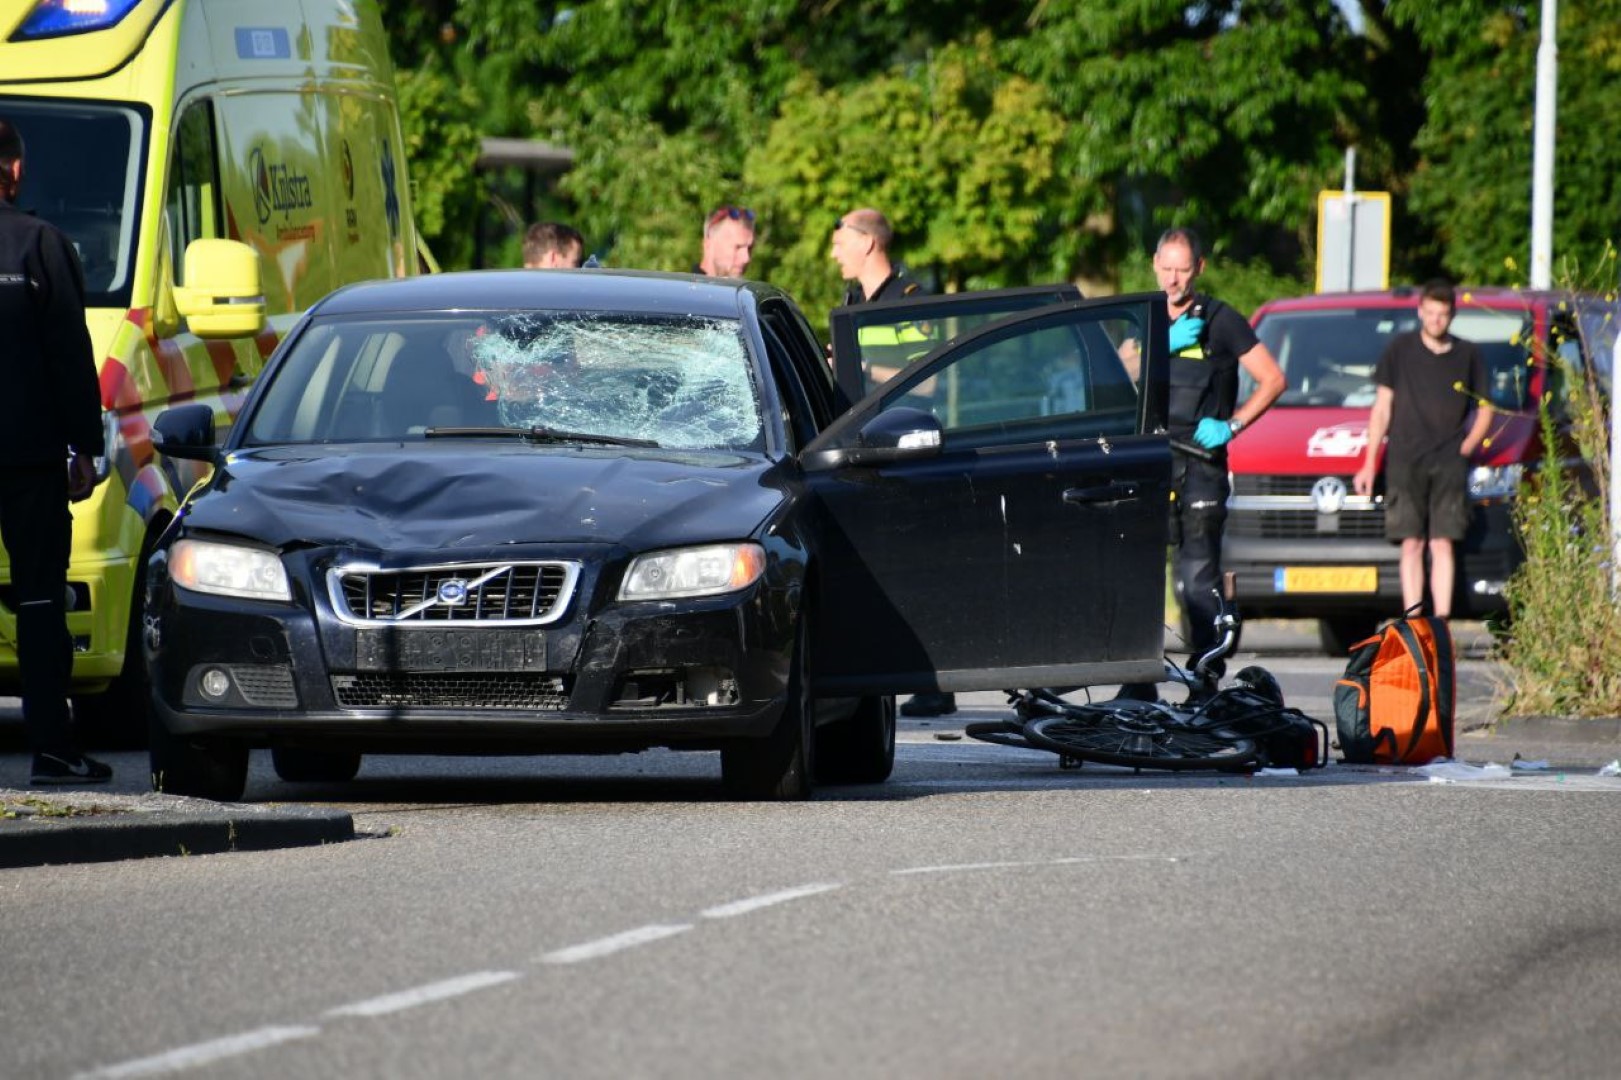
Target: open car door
{"points": [[995, 515]]}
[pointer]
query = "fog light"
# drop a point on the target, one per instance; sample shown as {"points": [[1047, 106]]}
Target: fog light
{"points": [[214, 684]]}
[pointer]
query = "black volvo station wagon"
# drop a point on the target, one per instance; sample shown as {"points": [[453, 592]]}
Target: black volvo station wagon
{"points": [[600, 511]]}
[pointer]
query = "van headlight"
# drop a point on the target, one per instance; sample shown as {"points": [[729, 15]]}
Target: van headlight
{"points": [[698, 571], [228, 570], [1494, 481]]}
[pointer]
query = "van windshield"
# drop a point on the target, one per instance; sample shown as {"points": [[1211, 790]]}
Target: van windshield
{"points": [[82, 173], [1329, 355]]}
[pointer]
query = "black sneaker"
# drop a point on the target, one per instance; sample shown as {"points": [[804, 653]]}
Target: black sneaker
{"points": [[56, 769], [931, 704]]}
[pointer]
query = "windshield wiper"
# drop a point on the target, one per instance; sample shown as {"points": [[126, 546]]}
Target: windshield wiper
{"points": [[537, 433]]}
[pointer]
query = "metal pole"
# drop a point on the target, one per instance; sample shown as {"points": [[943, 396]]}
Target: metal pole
{"points": [[1542, 149], [1350, 219]]}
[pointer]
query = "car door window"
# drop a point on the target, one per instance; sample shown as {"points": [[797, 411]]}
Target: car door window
{"points": [[1072, 379]]}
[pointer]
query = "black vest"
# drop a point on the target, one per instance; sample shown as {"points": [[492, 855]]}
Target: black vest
{"points": [[1204, 376]]}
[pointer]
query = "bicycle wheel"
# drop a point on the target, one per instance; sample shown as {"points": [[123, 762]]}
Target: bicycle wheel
{"points": [[1137, 739]]}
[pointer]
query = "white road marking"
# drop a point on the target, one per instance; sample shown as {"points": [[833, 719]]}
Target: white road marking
{"points": [[423, 995], [204, 1053], [591, 950], [1067, 860], [755, 903]]}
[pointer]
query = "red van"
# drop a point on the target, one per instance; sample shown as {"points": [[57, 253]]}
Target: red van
{"points": [[1302, 544]]}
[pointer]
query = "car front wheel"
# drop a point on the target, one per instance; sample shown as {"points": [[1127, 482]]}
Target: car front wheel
{"points": [[861, 749], [298, 765], [779, 767], [205, 769]]}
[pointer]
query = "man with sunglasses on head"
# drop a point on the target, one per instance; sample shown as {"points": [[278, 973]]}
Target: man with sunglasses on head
{"points": [[861, 242], [728, 242]]}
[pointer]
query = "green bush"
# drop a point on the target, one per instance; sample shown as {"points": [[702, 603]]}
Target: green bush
{"points": [[1563, 657]]}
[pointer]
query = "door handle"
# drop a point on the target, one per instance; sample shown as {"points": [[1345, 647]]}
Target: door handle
{"points": [[1112, 492]]}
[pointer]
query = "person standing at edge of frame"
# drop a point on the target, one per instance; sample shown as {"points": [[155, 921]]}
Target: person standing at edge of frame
{"points": [[51, 414], [1427, 382]]}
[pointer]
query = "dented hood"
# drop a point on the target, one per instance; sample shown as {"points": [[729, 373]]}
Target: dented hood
{"points": [[453, 496]]}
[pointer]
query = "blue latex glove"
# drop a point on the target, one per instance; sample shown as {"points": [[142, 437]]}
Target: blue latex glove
{"points": [[1212, 433], [1185, 331]]}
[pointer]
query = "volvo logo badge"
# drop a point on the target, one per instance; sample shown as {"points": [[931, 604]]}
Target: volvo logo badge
{"points": [[453, 593], [1328, 493]]}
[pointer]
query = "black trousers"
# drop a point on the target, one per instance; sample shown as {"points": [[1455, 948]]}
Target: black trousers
{"points": [[37, 530], [1198, 518]]}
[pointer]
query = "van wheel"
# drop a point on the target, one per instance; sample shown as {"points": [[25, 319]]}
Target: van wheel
{"points": [[861, 748], [1337, 634], [298, 765], [779, 767], [204, 768], [118, 717]]}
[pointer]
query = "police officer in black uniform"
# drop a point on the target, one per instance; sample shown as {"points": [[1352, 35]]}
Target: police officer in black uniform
{"points": [[50, 413], [1210, 341]]}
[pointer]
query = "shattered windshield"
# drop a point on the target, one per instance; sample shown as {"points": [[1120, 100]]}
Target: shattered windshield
{"points": [[680, 382]]}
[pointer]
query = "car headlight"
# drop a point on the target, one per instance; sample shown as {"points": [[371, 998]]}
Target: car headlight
{"points": [[228, 570], [698, 571], [1494, 481]]}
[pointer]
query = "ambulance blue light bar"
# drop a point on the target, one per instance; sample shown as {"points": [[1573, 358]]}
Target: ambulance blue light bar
{"points": [[58, 18]]}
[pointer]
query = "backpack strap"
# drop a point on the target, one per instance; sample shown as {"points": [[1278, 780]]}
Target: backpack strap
{"points": [[1415, 649]]}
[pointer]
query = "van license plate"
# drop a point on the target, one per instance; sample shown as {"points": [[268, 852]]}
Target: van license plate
{"points": [[1325, 579]]}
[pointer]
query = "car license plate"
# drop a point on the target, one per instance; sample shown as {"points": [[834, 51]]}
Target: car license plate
{"points": [[451, 650], [1326, 579]]}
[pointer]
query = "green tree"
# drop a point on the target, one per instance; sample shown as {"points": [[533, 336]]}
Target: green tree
{"points": [[957, 153], [1473, 183]]}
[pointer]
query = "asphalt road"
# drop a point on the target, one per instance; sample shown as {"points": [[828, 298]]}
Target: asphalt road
{"points": [[984, 913]]}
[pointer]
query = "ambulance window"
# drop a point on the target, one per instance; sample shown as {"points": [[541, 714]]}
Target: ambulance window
{"points": [[193, 203]]}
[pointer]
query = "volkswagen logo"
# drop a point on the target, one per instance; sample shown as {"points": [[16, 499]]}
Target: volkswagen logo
{"points": [[1328, 493], [453, 593]]}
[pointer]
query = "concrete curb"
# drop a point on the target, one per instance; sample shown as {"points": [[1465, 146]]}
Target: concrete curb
{"points": [[105, 836], [1558, 729]]}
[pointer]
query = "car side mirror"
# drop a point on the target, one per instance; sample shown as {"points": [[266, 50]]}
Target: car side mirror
{"points": [[185, 431], [899, 434], [224, 298]]}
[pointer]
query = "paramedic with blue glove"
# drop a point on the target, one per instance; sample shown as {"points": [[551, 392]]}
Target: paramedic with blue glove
{"points": [[1210, 341]]}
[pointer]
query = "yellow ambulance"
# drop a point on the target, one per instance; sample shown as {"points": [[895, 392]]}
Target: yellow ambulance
{"points": [[219, 165]]}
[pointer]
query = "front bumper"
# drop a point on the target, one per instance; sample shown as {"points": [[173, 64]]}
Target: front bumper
{"points": [[1486, 559], [688, 674]]}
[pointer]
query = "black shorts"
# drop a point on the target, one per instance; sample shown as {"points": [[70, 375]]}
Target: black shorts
{"points": [[1428, 498]]}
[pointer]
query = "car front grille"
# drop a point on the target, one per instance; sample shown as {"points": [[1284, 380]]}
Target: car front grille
{"points": [[533, 593], [462, 690], [1267, 507]]}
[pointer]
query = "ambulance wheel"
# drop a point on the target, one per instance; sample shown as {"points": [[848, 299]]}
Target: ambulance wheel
{"points": [[118, 717]]}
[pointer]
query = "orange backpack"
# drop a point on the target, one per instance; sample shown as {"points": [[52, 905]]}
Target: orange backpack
{"points": [[1394, 705]]}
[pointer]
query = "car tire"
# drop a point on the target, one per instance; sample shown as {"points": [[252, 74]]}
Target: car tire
{"points": [[1338, 633], [300, 766], [861, 748], [203, 768], [779, 767]]}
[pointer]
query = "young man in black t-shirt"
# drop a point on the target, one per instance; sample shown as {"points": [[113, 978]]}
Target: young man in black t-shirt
{"points": [[1428, 383]]}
